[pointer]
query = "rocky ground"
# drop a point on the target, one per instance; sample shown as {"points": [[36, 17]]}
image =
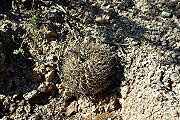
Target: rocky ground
{"points": [[35, 35]]}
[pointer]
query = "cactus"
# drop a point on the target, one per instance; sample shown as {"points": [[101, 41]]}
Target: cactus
{"points": [[87, 69]]}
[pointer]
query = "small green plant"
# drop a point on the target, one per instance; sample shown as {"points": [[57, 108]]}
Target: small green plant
{"points": [[34, 29], [20, 50]]}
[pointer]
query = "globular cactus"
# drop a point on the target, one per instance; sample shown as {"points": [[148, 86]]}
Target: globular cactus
{"points": [[88, 68]]}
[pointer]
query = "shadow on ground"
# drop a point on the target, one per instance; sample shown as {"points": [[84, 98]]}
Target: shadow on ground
{"points": [[17, 78]]}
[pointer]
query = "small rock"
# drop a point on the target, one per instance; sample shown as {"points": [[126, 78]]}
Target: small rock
{"points": [[72, 108], [52, 14], [1, 16], [15, 96], [5, 118], [165, 14], [27, 108], [175, 77], [35, 117], [50, 34], [159, 5], [46, 87], [2, 97], [109, 119], [6, 17], [6, 104], [150, 74], [124, 91], [67, 94], [51, 58], [7, 25], [30, 95], [60, 86], [54, 44], [42, 69], [102, 18], [50, 76], [48, 69], [12, 107]]}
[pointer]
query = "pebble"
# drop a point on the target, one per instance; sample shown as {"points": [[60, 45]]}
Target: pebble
{"points": [[1, 16], [175, 77], [72, 108], [124, 91], [2, 97], [52, 14], [67, 94], [109, 119], [30, 95], [150, 74], [27, 108], [6, 104], [12, 107], [5, 118], [50, 34], [49, 77], [46, 87], [165, 14]]}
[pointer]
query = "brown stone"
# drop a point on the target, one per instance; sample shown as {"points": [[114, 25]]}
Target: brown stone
{"points": [[72, 108]]}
